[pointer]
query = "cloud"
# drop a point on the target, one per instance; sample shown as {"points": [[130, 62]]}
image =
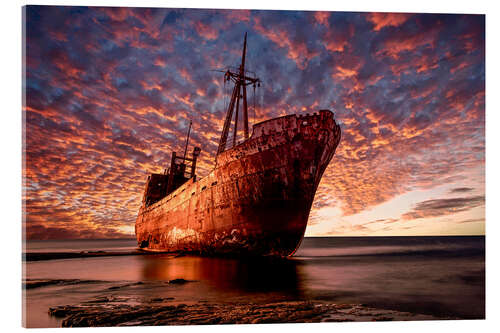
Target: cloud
{"points": [[322, 18], [206, 31], [110, 92], [440, 207], [472, 221], [461, 190], [382, 20]]}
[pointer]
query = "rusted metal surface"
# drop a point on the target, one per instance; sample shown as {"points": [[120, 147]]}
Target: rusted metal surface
{"points": [[256, 200]]}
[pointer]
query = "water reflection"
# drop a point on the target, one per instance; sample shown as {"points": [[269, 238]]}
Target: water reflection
{"points": [[249, 274]]}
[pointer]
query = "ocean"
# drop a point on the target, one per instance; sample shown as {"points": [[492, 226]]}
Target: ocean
{"points": [[443, 277]]}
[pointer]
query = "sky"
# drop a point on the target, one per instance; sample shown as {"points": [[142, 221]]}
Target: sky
{"points": [[110, 93]]}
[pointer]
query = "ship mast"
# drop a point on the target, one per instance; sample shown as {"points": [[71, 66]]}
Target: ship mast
{"points": [[187, 139], [239, 92]]}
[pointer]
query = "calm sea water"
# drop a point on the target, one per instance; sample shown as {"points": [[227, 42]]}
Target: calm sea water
{"points": [[442, 276]]}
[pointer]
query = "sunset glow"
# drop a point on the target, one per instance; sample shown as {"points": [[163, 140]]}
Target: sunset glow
{"points": [[110, 93]]}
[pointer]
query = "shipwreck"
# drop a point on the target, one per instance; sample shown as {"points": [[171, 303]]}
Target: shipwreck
{"points": [[258, 196]]}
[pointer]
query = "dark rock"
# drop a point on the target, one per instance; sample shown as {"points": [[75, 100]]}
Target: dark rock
{"points": [[178, 281], [383, 319], [101, 312]]}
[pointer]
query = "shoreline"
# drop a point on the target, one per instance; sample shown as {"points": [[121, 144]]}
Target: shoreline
{"points": [[39, 256]]}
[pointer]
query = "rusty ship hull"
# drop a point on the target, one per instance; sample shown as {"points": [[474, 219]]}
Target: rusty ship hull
{"points": [[255, 201]]}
